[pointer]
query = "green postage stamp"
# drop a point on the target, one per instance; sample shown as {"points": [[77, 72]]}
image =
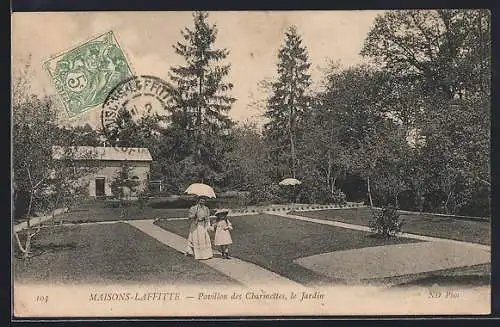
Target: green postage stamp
{"points": [[84, 75]]}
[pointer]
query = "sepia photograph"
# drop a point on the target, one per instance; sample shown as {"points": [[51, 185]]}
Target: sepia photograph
{"points": [[251, 163]]}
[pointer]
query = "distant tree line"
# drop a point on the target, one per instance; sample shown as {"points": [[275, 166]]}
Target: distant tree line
{"points": [[410, 128]]}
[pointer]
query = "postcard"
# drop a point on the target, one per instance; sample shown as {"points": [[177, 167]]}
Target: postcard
{"points": [[251, 163]]}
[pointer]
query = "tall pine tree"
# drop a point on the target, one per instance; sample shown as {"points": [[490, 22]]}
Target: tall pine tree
{"points": [[199, 100], [288, 103]]}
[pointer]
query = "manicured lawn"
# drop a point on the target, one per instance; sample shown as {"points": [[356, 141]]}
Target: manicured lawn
{"points": [[119, 253], [436, 226], [109, 253], [274, 242]]}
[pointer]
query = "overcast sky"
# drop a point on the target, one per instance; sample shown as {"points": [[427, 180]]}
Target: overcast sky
{"points": [[253, 39]]}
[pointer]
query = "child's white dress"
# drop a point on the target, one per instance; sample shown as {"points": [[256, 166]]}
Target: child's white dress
{"points": [[222, 234]]}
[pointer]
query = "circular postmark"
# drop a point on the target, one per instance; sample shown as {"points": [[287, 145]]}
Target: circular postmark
{"points": [[138, 95]]}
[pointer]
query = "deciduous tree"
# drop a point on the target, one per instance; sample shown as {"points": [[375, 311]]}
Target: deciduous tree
{"points": [[439, 61]]}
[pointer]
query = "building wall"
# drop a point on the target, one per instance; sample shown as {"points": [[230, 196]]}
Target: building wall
{"points": [[109, 169]]}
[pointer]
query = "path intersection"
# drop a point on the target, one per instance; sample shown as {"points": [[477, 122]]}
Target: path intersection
{"points": [[423, 256]]}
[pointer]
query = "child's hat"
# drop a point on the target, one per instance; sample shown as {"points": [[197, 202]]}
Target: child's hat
{"points": [[221, 212]]}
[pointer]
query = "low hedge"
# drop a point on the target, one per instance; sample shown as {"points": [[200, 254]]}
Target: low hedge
{"points": [[183, 202]]}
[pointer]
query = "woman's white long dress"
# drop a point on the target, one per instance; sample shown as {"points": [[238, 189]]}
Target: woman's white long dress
{"points": [[198, 239]]}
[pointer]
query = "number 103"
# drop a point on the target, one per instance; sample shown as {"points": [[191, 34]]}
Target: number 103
{"points": [[42, 298]]}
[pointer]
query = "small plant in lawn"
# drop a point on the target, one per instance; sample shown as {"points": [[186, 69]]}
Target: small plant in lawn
{"points": [[141, 203], [387, 222], [123, 186]]}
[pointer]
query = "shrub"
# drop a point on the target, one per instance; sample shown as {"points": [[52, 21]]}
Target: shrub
{"points": [[112, 203], [265, 193], [313, 192], [387, 222], [339, 196], [142, 202]]}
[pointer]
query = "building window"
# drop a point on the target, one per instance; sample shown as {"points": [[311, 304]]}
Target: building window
{"points": [[100, 189]]}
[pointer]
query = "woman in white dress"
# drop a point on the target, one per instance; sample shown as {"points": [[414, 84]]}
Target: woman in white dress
{"points": [[199, 243]]}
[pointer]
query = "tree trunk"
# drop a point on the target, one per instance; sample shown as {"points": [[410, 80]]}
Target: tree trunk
{"points": [[32, 190], [55, 208], [369, 191], [291, 121], [28, 244], [26, 250], [30, 204], [292, 146], [294, 194], [328, 179], [198, 124], [16, 235], [329, 175], [446, 209]]}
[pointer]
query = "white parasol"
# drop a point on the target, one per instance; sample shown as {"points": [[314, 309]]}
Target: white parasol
{"points": [[290, 181], [200, 189]]}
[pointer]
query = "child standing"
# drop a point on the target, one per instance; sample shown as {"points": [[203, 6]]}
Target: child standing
{"points": [[222, 226]]}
